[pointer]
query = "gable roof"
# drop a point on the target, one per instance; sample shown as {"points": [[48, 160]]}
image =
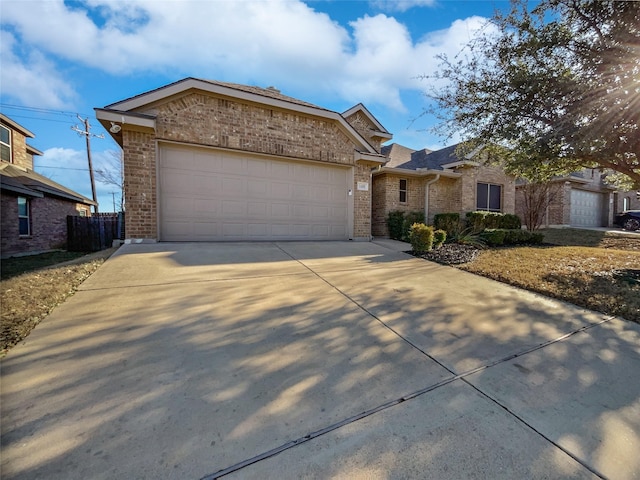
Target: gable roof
{"points": [[380, 130], [129, 110], [15, 125], [32, 184], [445, 158]]}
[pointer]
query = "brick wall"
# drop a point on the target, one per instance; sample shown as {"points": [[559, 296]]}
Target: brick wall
{"points": [[486, 174], [204, 119], [48, 224], [386, 191], [207, 120], [140, 185], [632, 200], [444, 197], [364, 127]]}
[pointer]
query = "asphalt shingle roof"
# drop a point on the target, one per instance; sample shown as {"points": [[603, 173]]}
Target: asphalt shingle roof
{"points": [[403, 157]]}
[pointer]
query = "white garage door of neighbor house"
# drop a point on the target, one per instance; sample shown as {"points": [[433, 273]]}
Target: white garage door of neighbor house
{"points": [[208, 195], [586, 208]]}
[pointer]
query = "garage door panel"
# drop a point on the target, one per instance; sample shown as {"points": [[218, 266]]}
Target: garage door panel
{"points": [[232, 208], [224, 196], [586, 208], [280, 210]]}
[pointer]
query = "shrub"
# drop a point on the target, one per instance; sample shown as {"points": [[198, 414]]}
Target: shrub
{"points": [[480, 220], [395, 219], [439, 237], [501, 236], [493, 237], [449, 222], [421, 237], [409, 219]]}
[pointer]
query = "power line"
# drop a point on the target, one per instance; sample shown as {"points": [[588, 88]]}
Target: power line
{"points": [[42, 110], [63, 168], [68, 122]]}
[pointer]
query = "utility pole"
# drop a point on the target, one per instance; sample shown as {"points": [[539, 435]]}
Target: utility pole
{"points": [[87, 135], [113, 197]]}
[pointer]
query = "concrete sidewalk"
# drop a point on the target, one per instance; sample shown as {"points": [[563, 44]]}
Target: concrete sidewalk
{"points": [[316, 360]]}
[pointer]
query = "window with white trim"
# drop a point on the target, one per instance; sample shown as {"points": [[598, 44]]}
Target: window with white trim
{"points": [[403, 191], [24, 219], [5, 144], [489, 197], [626, 203]]}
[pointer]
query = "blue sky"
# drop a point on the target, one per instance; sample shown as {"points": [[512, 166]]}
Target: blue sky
{"points": [[63, 58]]}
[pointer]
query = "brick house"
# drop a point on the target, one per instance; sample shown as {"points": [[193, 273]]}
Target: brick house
{"points": [[33, 208], [213, 161], [581, 199], [437, 182]]}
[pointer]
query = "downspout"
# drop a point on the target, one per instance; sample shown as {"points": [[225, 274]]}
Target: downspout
{"points": [[426, 196]]}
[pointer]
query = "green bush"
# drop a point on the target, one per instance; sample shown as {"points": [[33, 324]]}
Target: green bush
{"points": [[421, 237], [395, 220], [480, 220], [449, 222], [439, 237], [493, 237], [409, 219], [500, 236]]}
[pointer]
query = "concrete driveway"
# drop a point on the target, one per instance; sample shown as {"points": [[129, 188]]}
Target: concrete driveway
{"points": [[316, 360]]}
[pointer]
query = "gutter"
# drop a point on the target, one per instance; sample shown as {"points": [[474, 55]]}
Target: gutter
{"points": [[426, 196]]}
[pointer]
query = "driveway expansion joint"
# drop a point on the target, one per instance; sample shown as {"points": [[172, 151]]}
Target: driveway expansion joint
{"points": [[462, 376]]}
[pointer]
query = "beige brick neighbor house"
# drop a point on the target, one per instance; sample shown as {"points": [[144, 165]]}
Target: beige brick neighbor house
{"points": [[581, 199], [33, 208], [213, 161], [437, 182]]}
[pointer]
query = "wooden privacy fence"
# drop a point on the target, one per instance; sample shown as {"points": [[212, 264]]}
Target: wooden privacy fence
{"points": [[90, 234]]}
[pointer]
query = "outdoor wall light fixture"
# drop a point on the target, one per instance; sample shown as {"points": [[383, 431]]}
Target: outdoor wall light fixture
{"points": [[115, 128]]}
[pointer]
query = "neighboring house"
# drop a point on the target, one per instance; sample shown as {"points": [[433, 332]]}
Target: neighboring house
{"points": [[437, 182], [581, 199], [212, 161], [627, 201], [33, 208]]}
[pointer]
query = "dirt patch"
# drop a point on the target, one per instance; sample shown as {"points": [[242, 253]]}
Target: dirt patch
{"points": [[27, 298]]}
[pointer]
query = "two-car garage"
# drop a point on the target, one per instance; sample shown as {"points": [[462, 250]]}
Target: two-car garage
{"points": [[216, 195]]}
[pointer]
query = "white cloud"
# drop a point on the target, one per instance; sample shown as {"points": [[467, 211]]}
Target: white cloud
{"points": [[280, 42], [400, 5], [30, 78]]}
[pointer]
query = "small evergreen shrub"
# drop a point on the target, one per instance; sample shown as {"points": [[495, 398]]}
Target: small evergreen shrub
{"points": [[395, 220], [493, 237], [449, 222], [500, 236], [480, 220], [439, 237], [409, 219], [421, 237]]}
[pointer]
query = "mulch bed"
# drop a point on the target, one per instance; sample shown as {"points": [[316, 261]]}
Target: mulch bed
{"points": [[450, 254]]}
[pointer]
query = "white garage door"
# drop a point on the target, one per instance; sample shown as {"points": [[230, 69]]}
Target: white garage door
{"points": [[586, 208], [208, 195]]}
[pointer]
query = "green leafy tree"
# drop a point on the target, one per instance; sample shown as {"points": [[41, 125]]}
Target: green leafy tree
{"points": [[550, 90]]}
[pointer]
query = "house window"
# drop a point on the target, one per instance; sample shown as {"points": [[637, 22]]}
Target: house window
{"points": [[23, 216], [626, 204], [489, 197], [82, 212], [5, 144], [403, 191]]}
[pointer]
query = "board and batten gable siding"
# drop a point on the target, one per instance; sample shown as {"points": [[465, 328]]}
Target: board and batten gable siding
{"points": [[204, 119]]}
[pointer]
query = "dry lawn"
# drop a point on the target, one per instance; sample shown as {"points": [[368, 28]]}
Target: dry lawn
{"points": [[603, 276], [30, 289]]}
